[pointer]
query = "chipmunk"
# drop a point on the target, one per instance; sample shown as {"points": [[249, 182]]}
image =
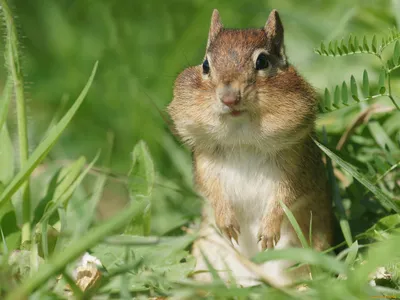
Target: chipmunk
{"points": [[248, 118]]}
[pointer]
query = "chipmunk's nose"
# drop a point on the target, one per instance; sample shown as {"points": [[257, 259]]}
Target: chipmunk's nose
{"points": [[228, 95]]}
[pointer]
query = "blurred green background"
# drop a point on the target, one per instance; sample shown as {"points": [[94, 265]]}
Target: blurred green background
{"points": [[141, 46]]}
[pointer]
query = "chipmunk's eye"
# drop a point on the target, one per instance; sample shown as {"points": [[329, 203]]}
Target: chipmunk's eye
{"points": [[206, 67], [262, 62]]}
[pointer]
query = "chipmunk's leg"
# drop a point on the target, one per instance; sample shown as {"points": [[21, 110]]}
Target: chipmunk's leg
{"points": [[208, 184], [270, 228]]}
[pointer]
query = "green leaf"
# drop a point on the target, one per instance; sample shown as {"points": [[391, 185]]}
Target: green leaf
{"points": [[379, 254], [6, 156], [295, 225], [343, 46], [59, 260], [302, 255], [382, 197], [336, 97], [141, 175], [352, 254], [5, 101], [356, 43], [331, 49], [390, 63], [141, 182], [350, 44], [365, 86], [374, 44], [382, 78], [345, 92], [365, 44], [89, 208], [41, 151], [211, 269], [384, 228], [353, 86], [396, 52], [75, 179], [327, 100], [337, 199], [381, 137], [323, 49]]}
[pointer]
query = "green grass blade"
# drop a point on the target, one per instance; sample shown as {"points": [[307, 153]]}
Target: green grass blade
{"points": [[6, 156], [41, 151], [352, 254], [5, 101], [210, 267], [382, 197], [69, 190], [337, 199], [59, 261], [302, 255], [295, 225], [92, 204]]}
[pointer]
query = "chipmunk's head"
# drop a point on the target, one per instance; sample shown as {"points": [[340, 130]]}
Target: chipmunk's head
{"points": [[244, 92]]}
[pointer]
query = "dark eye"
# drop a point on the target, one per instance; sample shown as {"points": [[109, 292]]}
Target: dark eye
{"points": [[206, 67], [262, 62]]}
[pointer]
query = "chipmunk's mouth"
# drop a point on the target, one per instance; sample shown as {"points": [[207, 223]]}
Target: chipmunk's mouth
{"points": [[236, 113]]}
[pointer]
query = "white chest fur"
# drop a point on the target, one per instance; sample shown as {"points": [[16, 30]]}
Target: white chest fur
{"points": [[249, 181]]}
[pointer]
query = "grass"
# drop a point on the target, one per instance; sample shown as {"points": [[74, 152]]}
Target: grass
{"points": [[132, 204]]}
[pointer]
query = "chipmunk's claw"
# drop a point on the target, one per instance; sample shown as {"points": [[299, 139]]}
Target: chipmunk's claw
{"points": [[231, 232], [268, 241]]}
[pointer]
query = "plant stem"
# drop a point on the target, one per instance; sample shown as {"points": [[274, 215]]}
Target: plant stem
{"points": [[17, 77]]}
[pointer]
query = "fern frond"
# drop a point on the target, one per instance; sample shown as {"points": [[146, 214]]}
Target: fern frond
{"points": [[357, 45], [353, 46], [342, 96], [392, 37], [394, 62]]}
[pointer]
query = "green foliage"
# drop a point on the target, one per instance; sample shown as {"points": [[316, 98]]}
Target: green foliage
{"points": [[144, 248], [357, 45], [340, 97]]}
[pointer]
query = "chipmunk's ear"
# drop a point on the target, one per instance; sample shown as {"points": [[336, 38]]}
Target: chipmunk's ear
{"points": [[215, 28], [274, 31]]}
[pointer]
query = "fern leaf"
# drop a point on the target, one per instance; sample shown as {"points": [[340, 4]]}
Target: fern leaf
{"points": [[350, 43], [365, 44], [339, 97], [356, 44], [392, 37], [353, 88], [382, 78], [336, 97], [345, 94], [343, 46], [365, 85], [396, 52], [374, 44], [327, 100]]}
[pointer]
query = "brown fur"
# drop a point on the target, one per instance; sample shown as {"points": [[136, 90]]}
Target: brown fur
{"points": [[281, 107]]}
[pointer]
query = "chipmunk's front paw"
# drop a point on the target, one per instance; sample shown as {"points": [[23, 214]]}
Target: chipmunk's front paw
{"points": [[229, 226], [269, 235]]}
